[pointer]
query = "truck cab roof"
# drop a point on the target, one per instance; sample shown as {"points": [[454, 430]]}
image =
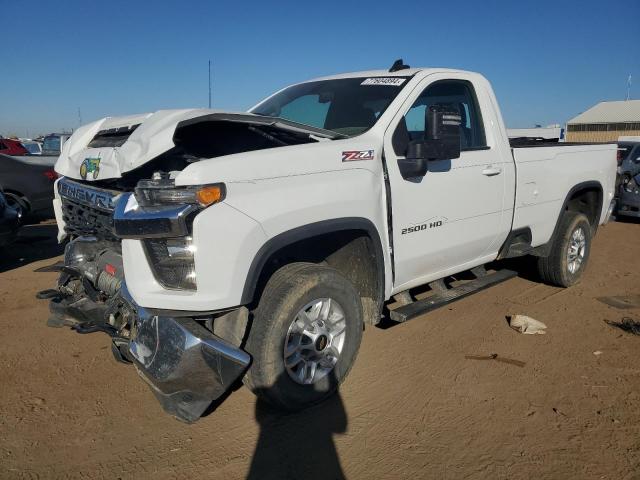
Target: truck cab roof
{"points": [[407, 72]]}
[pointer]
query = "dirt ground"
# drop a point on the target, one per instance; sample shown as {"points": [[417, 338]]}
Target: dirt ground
{"points": [[412, 407]]}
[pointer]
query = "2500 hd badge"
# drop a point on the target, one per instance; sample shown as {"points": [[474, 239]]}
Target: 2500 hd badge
{"points": [[431, 223]]}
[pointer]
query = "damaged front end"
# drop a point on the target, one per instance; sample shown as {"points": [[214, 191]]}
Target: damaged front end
{"points": [[629, 195], [176, 352]]}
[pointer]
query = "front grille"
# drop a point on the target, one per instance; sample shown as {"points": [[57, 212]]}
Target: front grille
{"points": [[86, 209], [83, 220]]}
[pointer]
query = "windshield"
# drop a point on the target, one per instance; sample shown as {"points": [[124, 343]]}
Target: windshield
{"points": [[348, 106]]}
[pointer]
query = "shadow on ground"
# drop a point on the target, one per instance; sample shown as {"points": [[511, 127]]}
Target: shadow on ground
{"points": [[35, 242], [298, 445]]}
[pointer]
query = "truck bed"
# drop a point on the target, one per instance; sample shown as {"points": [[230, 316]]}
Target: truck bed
{"points": [[544, 177]]}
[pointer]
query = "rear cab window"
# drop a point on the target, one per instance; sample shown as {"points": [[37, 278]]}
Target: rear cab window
{"points": [[51, 144]]}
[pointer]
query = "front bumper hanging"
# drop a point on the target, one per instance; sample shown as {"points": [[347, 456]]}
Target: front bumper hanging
{"points": [[186, 366]]}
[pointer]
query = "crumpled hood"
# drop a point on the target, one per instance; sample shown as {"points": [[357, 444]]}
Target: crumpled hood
{"points": [[152, 137], [136, 139]]}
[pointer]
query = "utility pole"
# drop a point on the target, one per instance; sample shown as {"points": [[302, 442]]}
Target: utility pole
{"points": [[79, 117], [629, 87], [209, 83]]}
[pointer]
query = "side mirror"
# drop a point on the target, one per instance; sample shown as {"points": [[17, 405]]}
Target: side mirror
{"points": [[442, 141], [415, 162]]}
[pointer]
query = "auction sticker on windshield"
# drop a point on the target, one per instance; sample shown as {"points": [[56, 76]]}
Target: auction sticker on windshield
{"points": [[395, 81]]}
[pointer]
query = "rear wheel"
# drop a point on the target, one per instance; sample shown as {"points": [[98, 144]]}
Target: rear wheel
{"points": [[304, 336], [569, 251]]}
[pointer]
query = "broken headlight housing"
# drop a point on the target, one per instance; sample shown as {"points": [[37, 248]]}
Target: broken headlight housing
{"points": [[172, 261]]}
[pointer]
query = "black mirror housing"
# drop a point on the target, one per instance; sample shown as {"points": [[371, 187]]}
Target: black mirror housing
{"points": [[442, 141], [443, 131], [412, 167]]}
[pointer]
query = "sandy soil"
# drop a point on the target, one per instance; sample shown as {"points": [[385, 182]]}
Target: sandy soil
{"points": [[412, 407]]}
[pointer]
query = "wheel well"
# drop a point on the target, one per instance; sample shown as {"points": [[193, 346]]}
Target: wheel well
{"points": [[19, 195], [583, 198], [587, 200], [352, 252]]}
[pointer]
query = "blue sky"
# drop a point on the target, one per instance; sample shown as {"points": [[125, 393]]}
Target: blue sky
{"points": [[547, 60]]}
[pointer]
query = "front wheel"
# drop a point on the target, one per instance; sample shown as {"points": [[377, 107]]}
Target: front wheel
{"points": [[569, 252], [18, 204], [304, 337]]}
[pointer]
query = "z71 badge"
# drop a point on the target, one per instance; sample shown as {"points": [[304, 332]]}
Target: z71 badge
{"points": [[354, 155]]}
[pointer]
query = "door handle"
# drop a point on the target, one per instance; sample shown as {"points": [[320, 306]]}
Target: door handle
{"points": [[490, 171]]}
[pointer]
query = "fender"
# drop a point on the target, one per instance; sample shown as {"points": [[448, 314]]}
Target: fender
{"points": [[304, 232], [543, 250]]}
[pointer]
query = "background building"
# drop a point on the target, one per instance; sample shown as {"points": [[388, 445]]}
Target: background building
{"points": [[605, 122]]}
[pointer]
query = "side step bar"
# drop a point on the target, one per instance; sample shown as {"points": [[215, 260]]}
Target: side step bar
{"points": [[442, 298]]}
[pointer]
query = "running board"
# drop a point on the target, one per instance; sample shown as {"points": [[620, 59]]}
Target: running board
{"points": [[440, 299]]}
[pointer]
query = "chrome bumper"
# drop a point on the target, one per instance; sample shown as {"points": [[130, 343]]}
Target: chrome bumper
{"points": [[186, 366], [150, 222]]}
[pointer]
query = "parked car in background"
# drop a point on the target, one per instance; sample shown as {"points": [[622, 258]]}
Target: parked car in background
{"points": [[629, 179], [28, 187], [12, 147], [10, 220], [34, 148], [53, 143]]}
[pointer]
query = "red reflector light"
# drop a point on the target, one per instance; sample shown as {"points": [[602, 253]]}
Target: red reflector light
{"points": [[50, 174], [110, 269]]}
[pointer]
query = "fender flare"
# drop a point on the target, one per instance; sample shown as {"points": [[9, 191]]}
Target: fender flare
{"points": [[311, 230], [543, 250]]}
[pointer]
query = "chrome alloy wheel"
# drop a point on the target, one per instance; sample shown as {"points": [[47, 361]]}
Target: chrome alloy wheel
{"points": [[314, 341], [576, 250]]}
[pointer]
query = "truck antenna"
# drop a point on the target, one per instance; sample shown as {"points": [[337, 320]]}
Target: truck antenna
{"points": [[209, 83], [398, 65]]}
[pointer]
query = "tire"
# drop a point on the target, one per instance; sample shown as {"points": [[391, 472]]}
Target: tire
{"points": [[276, 320], [557, 269], [19, 204]]}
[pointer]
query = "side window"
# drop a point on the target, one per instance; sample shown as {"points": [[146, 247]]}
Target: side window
{"points": [[2, 146], [459, 94]]}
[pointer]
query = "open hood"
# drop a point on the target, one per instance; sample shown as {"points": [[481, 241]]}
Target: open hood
{"points": [[113, 146]]}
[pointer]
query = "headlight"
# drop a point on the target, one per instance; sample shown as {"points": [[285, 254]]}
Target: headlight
{"points": [[172, 261], [154, 193], [629, 184], [172, 258]]}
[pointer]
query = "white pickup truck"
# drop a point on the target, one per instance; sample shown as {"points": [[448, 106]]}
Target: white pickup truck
{"points": [[214, 246]]}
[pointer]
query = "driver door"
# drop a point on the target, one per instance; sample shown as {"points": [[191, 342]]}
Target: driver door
{"points": [[449, 219]]}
